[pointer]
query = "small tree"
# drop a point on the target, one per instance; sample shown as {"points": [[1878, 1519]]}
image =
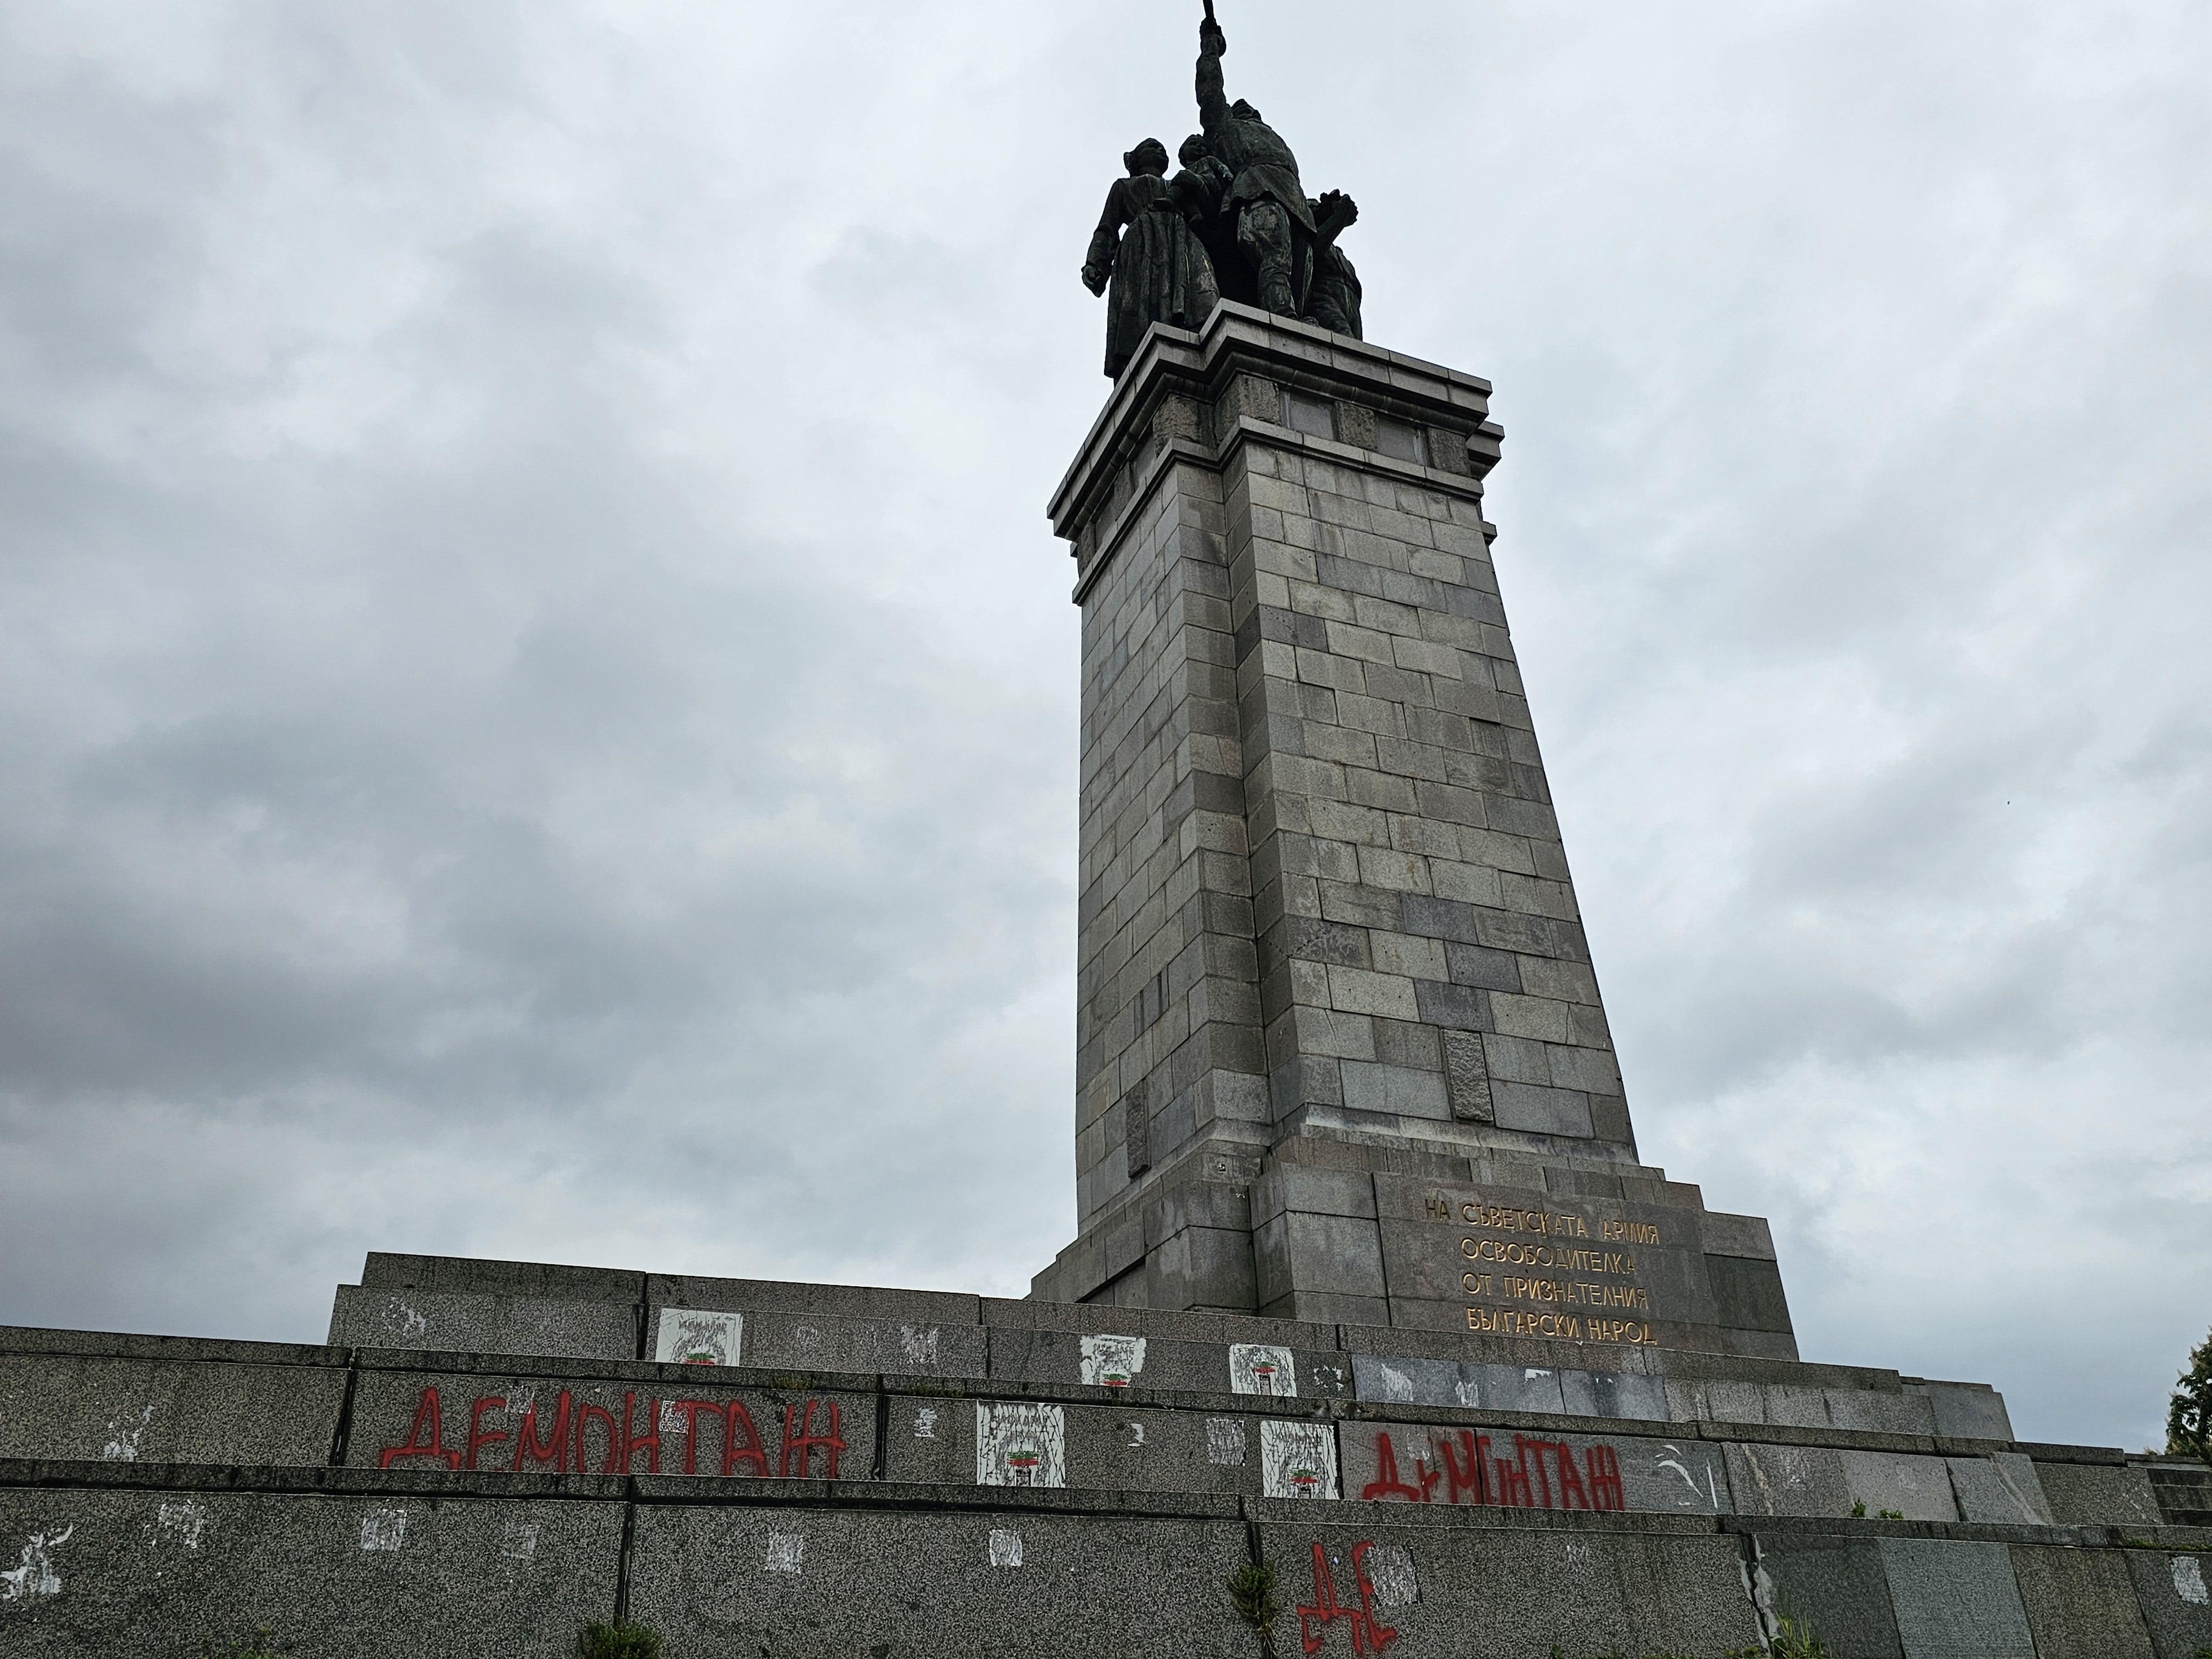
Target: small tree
{"points": [[2189, 1419], [1252, 1592]]}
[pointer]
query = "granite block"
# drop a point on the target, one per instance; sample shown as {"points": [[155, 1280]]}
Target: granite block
{"points": [[1787, 1480], [1109, 1447], [2081, 1604], [2090, 1494], [430, 1322], [70, 1405], [471, 1276], [2173, 1591], [2001, 1490], [1613, 1394], [153, 1575], [1835, 1587], [1956, 1601], [1918, 1488], [1747, 1293], [1966, 1411], [1440, 1586], [692, 1422], [1485, 1467], [1318, 1254], [799, 1582], [778, 1340], [1881, 1412]]}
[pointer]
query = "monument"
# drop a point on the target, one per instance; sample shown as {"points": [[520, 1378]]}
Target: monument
{"points": [[1373, 1310]]}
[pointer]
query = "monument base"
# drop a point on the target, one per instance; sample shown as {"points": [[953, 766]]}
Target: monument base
{"points": [[487, 1454]]}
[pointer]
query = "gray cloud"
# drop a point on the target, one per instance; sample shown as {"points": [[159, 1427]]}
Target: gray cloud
{"points": [[537, 703]]}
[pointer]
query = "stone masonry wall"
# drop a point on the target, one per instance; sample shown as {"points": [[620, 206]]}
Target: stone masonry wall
{"points": [[1421, 953], [1167, 1022]]}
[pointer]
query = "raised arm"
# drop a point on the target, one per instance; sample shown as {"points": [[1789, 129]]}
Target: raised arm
{"points": [[1213, 100]]}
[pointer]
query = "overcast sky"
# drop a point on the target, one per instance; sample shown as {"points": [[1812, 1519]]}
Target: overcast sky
{"points": [[538, 700]]}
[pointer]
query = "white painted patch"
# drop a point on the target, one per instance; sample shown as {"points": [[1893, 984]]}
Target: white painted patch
{"points": [[806, 1339], [1579, 1555], [1468, 1393], [1112, 1361], [404, 1318], [1298, 1460], [689, 1336], [383, 1531], [925, 1423], [123, 1437], [1258, 1368], [518, 1540], [919, 1343], [1394, 1385], [1021, 1445], [34, 1578], [1136, 1436], [1006, 1548], [183, 1523], [1225, 1441], [2189, 1580], [1391, 1570], [787, 1552]]}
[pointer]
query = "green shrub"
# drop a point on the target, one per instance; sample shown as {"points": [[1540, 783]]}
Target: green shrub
{"points": [[622, 1641], [1252, 1592]]}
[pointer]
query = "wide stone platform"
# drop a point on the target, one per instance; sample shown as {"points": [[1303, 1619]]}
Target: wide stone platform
{"points": [[487, 1453]]}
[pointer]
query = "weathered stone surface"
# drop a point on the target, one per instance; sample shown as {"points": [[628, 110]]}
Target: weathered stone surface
{"points": [[2097, 1494], [1446, 1584], [1956, 1601], [2173, 1591], [130, 1575], [1475, 1466], [74, 1405], [1916, 1488], [2081, 1604], [1787, 1480], [2001, 1489], [805, 1582], [482, 1323], [684, 1421], [1835, 1587]]}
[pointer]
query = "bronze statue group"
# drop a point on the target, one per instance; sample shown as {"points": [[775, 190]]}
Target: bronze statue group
{"points": [[1234, 223]]}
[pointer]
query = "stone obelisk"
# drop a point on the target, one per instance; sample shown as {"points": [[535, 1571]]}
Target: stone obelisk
{"points": [[1335, 1002]]}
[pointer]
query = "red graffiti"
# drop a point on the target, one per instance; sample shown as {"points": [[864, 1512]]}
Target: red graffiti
{"points": [[559, 1439], [1542, 1474], [428, 1421], [805, 1442], [1369, 1634]]}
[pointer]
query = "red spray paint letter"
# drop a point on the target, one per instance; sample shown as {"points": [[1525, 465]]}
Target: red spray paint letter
{"points": [[479, 1436], [748, 1451], [805, 1442], [554, 1449], [426, 1434]]}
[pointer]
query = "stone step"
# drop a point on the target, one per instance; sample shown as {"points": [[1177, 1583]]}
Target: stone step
{"points": [[126, 1561], [74, 1396], [433, 1304]]}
